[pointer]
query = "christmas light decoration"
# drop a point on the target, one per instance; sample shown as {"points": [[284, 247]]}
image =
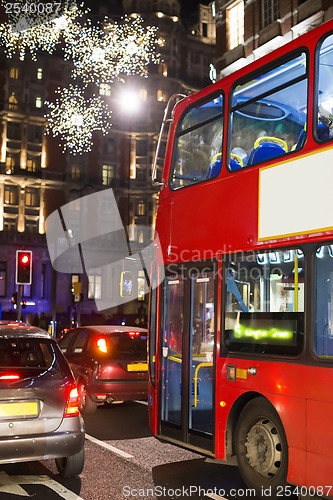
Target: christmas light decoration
{"points": [[103, 55], [33, 26], [74, 118]]}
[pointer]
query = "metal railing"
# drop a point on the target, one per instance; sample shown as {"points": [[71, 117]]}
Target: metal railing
{"points": [[165, 121]]}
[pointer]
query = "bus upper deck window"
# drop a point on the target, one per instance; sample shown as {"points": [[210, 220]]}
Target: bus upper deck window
{"points": [[324, 111], [269, 113], [198, 144]]}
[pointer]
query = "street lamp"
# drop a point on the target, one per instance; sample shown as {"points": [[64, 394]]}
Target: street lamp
{"points": [[129, 105]]}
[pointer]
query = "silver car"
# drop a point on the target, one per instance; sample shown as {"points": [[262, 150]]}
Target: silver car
{"points": [[39, 414]]}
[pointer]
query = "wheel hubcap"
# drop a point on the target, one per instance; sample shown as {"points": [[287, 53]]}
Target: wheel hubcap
{"points": [[264, 448]]}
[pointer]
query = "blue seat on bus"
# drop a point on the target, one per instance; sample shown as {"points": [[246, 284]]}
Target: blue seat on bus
{"points": [[236, 162], [301, 139], [266, 148], [323, 132], [215, 167]]}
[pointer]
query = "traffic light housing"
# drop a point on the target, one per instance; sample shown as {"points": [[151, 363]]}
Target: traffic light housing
{"points": [[23, 267]]}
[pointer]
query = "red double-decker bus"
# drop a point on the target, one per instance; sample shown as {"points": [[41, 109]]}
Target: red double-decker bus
{"points": [[241, 329]]}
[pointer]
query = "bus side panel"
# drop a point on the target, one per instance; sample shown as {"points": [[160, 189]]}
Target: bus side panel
{"points": [[319, 465], [289, 404], [152, 409], [297, 466]]}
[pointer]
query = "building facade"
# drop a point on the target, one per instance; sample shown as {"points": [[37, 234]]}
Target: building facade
{"points": [[36, 177], [248, 29]]}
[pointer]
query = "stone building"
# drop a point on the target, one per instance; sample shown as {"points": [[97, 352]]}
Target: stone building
{"points": [[248, 29], [36, 177]]}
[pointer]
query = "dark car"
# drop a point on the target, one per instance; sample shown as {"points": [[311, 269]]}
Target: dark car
{"points": [[39, 414], [109, 363]]}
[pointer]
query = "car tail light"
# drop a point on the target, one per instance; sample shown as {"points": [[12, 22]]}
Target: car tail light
{"points": [[9, 376], [101, 344], [72, 407], [133, 334]]}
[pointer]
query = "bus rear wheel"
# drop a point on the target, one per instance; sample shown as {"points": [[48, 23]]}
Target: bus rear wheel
{"points": [[261, 446]]}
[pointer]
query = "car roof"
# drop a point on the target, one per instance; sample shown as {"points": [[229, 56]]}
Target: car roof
{"points": [[19, 330], [105, 329]]}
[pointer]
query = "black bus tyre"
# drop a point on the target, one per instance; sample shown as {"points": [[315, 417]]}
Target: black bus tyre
{"points": [[71, 466], [86, 405], [261, 446]]}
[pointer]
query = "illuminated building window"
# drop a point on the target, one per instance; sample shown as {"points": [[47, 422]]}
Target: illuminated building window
{"points": [[270, 11], [163, 69], [13, 102], [107, 174], [95, 286], [12, 162], [140, 238], [75, 279], [141, 285], [39, 74], [14, 73], [3, 278], [141, 208], [235, 24], [33, 163], [104, 89], [162, 95], [31, 197], [143, 94], [11, 195], [38, 102], [75, 172]]}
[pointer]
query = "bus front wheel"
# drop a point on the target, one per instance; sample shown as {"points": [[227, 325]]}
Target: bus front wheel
{"points": [[261, 446]]}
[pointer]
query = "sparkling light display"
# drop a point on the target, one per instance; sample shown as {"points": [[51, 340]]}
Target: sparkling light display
{"points": [[100, 54], [74, 118], [33, 26], [103, 55]]}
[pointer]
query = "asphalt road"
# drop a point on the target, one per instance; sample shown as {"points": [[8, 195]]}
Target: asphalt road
{"points": [[124, 460]]}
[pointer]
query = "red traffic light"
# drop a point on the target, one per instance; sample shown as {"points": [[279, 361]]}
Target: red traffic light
{"points": [[23, 267], [25, 259]]}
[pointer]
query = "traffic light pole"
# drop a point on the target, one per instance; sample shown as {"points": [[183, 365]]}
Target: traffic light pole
{"points": [[19, 295]]}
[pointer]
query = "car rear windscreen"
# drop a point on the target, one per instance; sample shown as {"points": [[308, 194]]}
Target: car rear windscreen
{"points": [[31, 353], [126, 345]]}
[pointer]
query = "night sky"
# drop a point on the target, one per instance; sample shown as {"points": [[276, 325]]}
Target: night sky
{"points": [[188, 6]]}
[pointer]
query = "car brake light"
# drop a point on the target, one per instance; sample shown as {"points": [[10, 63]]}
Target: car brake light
{"points": [[9, 376], [101, 343], [133, 334], [72, 407]]}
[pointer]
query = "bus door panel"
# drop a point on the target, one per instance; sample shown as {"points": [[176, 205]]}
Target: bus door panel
{"points": [[201, 353], [187, 358], [171, 355]]}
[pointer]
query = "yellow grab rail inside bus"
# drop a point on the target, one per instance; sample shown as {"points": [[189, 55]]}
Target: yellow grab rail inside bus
{"points": [[196, 381]]}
